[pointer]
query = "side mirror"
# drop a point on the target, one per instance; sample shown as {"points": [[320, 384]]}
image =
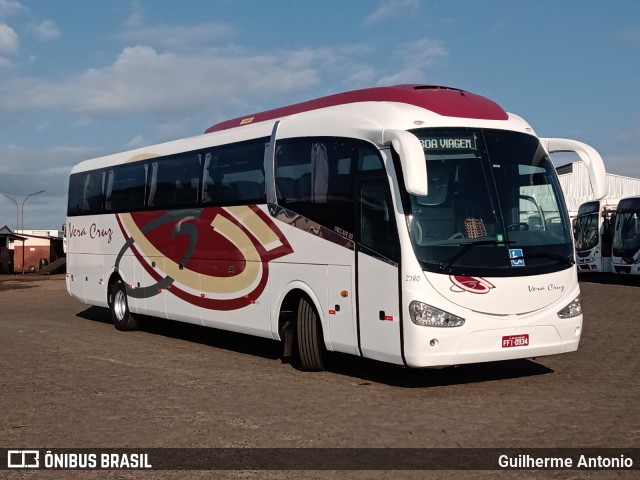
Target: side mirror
{"points": [[589, 156], [412, 161]]}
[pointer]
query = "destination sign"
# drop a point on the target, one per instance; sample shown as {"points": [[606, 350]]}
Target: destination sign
{"points": [[449, 143]]}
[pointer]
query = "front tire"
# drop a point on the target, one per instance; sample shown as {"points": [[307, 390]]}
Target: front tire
{"points": [[123, 319], [311, 349]]}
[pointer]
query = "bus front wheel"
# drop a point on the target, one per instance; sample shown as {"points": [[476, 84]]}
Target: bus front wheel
{"points": [[123, 319], [311, 350]]}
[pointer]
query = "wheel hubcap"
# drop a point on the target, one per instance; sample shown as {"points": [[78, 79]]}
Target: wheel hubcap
{"points": [[119, 304]]}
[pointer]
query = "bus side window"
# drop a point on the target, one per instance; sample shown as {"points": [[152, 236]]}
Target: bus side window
{"points": [[234, 174], [125, 187], [92, 196], [76, 191], [177, 183], [377, 225], [315, 178]]}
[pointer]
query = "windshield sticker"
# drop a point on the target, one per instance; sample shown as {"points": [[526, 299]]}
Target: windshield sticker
{"points": [[517, 257], [463, 283]]}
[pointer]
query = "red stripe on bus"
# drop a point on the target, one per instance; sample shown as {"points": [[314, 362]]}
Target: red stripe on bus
{"points": [[444, 101]]}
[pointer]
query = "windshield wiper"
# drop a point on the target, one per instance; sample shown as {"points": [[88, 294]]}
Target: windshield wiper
{"points": [[446, 265]]}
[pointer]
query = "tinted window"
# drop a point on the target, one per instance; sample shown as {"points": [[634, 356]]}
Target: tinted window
{"points": [[125, 187], [86, 193], [226, 175], [234, 174], [377, 225], [76, 189], [174, 181], [315, 178]]}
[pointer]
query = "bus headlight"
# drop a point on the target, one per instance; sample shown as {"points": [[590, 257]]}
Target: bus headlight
{"points": [[572, 310], [428, 316]]}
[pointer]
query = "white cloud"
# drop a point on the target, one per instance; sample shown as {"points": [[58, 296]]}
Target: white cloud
{"points": [[26, 169], [141, 80], [173, 37], [46, 30], [137, 142], [19, 160], [417, 57], [8, 39], [10, 7], [391, 9], [136, 18], [631, 136], [177, 37]]}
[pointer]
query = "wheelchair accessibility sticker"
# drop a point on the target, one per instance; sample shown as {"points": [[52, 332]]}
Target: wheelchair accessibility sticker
{"points": [[517, 257]]}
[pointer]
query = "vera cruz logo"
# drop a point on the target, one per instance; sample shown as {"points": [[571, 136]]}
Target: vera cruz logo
{"points": [[463, 283], [214, 258]]}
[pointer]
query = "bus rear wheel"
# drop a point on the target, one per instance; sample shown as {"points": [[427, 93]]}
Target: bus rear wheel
{"points": [[311, 349], [122, 317]]}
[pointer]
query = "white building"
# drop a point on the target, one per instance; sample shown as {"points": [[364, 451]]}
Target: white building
{"points": [[576, 186]]}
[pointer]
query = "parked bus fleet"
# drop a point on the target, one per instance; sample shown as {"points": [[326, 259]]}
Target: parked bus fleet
{"points": [[607, 236]]}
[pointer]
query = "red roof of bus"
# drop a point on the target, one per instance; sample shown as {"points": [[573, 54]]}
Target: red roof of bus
{"points": [[445, 101]]}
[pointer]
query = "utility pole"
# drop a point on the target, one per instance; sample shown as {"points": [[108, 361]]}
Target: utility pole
{"points": [[20, 215]]}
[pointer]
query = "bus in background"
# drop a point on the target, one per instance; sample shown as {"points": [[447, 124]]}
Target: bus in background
{"points": [[401, 224], [593, 235], [626, 237]]}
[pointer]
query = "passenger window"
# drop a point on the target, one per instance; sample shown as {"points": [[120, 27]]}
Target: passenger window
{"points": [[92, 196], [76, 191], [174, 181], [315, 178], [234, 175], [370, 162], [125, 187], [377, 224]]}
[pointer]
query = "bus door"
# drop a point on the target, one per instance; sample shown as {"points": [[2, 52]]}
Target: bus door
{"points": [[377, 260], [608, 222]]}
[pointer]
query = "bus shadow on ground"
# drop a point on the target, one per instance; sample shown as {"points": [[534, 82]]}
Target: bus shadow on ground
{"points": [[371, 371], [610, 279], [366, 371], [212, 337], [96, 314]]}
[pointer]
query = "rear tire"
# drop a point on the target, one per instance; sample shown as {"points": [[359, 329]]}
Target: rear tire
{"points": [[311, 350], [123, 319]]}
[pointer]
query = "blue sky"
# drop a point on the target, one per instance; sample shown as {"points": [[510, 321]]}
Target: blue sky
{"points": [[80, 79]]}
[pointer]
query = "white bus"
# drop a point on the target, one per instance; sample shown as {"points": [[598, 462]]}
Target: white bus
{"points": [[593, 235], [626, 237], [384, 223]]}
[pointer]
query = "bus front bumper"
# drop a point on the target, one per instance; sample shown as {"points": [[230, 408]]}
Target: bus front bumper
{"points": [[438, 349]]}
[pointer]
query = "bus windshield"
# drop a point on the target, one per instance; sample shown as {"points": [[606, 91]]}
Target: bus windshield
{"points": [[626, 240], [585, 231], [493, 207]]}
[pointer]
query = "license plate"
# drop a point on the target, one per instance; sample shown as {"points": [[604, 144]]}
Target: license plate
{"points": [[515, 340]]}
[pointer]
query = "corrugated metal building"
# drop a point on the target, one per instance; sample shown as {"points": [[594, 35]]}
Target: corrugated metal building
{"points": [[575, 183]]}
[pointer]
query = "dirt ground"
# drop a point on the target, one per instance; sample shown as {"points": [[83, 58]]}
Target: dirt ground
{"points": [[68, 379]]}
